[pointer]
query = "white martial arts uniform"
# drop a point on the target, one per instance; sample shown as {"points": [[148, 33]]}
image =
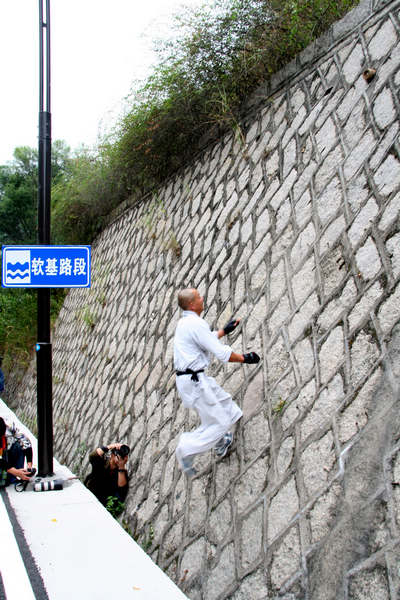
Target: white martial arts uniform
{"points": [[193, 343]]}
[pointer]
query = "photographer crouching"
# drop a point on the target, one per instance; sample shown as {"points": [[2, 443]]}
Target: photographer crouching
{"points": [[15, 447], [108, 480]]}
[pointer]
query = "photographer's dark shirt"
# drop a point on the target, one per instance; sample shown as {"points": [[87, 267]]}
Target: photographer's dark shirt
{"points": [[4, 465], [103, 481]]}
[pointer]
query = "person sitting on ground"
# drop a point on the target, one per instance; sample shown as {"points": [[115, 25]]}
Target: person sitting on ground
{"points": [[15, 447], [109, 477]]}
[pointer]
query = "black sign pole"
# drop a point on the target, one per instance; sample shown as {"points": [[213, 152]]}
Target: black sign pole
{"points": [[43, 347]]}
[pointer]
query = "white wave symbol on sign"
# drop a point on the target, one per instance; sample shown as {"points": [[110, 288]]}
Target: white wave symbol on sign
{"points": [[20, 270]]}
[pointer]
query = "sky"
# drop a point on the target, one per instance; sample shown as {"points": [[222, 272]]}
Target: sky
{"points": [[98, 48]]}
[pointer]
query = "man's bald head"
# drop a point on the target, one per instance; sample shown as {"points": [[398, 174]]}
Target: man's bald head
{"points": [[186, 297]]}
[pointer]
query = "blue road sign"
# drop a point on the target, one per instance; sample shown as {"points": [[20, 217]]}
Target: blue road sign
{"points": [[45, 266]]}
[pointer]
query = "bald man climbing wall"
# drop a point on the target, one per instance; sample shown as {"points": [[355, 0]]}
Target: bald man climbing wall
{"points": [[193, 344]]}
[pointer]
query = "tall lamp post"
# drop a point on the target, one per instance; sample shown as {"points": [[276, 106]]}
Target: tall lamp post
{"points": [[43, 346]]}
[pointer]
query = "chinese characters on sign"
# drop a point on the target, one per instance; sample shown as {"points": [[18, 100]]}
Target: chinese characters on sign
{"points": [[46, 266]]}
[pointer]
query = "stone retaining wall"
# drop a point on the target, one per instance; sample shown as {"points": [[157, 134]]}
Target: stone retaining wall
{"points": [[298, 233]]}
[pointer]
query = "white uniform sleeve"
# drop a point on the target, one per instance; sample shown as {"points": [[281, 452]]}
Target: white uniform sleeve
{"points": [[209, 342]]}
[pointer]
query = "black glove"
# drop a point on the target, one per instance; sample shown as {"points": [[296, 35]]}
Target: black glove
{"points": [[229, 327], [251, 358]]}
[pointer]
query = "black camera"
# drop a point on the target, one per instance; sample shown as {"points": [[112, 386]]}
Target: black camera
{"points": [[122, 451]]}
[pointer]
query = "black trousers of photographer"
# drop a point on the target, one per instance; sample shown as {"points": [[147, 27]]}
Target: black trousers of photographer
{"points": [[16, 458]]}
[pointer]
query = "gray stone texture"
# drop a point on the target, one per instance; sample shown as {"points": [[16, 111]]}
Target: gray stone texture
{"points": [[298, 234]]}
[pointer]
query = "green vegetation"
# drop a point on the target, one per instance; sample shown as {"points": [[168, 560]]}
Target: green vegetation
{"points": [[278, 408], [219, 55], [115, 506], [18, 225]]}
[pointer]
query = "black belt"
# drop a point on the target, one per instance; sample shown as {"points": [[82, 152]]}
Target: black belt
{"points": [[190, 372]]}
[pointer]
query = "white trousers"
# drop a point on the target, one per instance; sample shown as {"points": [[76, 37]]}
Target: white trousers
{"points": [[216, 409]]}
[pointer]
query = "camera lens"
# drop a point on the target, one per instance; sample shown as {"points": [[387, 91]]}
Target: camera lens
{"points": [[123, 451]]}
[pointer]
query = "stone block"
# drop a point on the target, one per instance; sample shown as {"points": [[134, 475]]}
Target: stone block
{"points": [[331, 354], [250, 485], [331, 234], [363, 221], [284, 506], [389, 312], [304, 180], [324, 407], [289, 157], [298, 406], [254, 396], [323, 512], [168, 475], [303, 245], [364, 354], [359, 155], [317, 461], [279, 316], [304, 354], [283, 216], [393, 247], [256, 317], [221, 576], [246, 231], [368, 260], [384, 108], [277, 281], [252, 586], [259, 275], [384, 146], [251, 536], [278, 361], [396, 490], [179, 498], [220, 522], [387, 177], [282, 194], [303, 282], [338, 306], [225, 473], [271, 163], [302, 209], [303, 317], [282, 390], [355, 416], [365, 305], [328, 169], [332, 271], [382, 42], [367, 584], [329, 201], [285, 455], [326, 137], [352, 65], [287, 559], [172, 539], [193, 558]]}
